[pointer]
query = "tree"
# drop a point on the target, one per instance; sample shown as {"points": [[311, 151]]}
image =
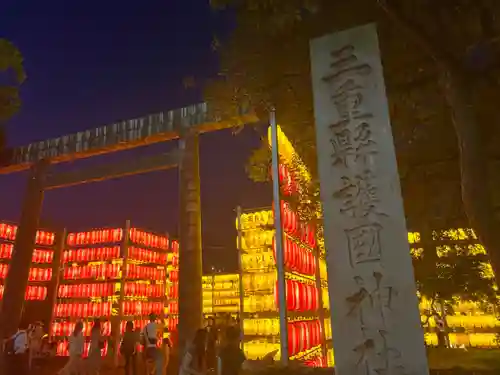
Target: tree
{"points": [[451, 267], [441, 65], [11, 65]]}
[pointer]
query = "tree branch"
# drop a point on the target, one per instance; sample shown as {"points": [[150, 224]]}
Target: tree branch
{"points": [[419, 35]]}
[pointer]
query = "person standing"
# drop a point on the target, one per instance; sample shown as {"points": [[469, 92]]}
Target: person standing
{"points": [[128, 349], [194, 360], [94, 359], [76, 345], [211, 344], [166, 348], [231, 357], [35, 342], [150, 339], [19, 356]]}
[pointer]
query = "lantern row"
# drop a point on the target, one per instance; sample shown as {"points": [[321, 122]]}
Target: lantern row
{"points": [[86, 290], [107, 236], [288, 184], [317, 362], [105, 308], [173, 307], [108, 289], [36, 274], [83, 310], [148, 239], [94, 237], [299, 296], [91, 254], [297, 257], [175, 246], [144, 290], [8, 232], [39, 256], [142, 308], [173, 275], [303, 335], [66, 328], [173, 291], [63, 349], [134, 271], [33, 293], [295, 228], [112, 271], [101, 271], [172, 323], [148, 256]]}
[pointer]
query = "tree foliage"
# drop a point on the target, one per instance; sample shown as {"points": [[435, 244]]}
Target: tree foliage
{"points": [[441, 64], [11, 68]]}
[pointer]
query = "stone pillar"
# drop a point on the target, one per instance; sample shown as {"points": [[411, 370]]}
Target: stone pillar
{"points": [[17, 276], [190, 261], [375, 318]]}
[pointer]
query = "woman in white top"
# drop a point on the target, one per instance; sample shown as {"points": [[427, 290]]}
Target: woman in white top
{"points": [[94, 359], [76, 345]]}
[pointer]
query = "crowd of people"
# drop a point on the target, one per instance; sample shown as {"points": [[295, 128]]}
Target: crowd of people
{"points": [[27, 347], [215, 350]]}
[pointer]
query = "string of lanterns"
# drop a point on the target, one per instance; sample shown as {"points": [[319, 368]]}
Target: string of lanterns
{"points": [[173, 275], [35, 274], [141, 308], [303, 335], [172, 323], [95, 237], [173, 307], [100, 271], [67, 328], [83, 309], [9, 231], [297, 257], [295, 228], [39, 256], [91, 254], [175, 246], [134, 271], [299, 296], [144, 290], [173, 291], [148, 239], [63, 349], [86, 290], [33, 292], [145, 255], [288, 184]]}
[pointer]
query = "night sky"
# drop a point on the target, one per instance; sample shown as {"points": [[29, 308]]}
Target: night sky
{"points": [[90, 63]]}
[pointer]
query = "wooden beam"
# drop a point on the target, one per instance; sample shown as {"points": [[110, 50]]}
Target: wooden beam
{"points": [[120, 136], [112, 170]]}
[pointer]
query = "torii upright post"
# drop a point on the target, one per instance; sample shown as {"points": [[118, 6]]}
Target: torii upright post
{"points": [[19, 268], [190, 260]]}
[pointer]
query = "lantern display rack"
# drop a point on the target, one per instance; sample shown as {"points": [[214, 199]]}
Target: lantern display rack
{"points": [[114, 275], [41, 272], [303, 285], [259, 278], [220, 294], [305, 270]]}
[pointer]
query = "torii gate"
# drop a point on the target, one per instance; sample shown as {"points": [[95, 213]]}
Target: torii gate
{"points": [[184, 124]]}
